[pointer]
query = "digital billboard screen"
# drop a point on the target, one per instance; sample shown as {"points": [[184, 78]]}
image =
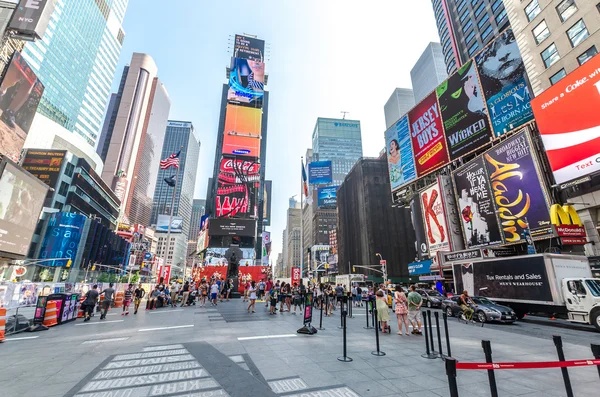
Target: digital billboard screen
{"points": [[45, 165], [267, 203], [246, 47], [427, 134], [232, 227], [237, 187], [569, 122], [327, 196], [20, 94], [21, 200], [502, 74], [320, 172], [242, 131], [463, 112], [162, 224], [401, 161], [62, 238], [246, 83]]}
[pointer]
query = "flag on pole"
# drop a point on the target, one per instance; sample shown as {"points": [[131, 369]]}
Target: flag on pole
{"points": [[171, 161], [304, 181]]}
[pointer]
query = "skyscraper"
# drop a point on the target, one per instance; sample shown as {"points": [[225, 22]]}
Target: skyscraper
{"points": [[76, 60], [428, 72], [400, 102], [466, 26], [132, 147]]}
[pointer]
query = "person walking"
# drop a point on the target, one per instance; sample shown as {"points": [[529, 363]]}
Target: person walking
{"points": [[401, 309], [228, 287], [339, 294], [138, 295], [108, 298], [203, 293], [214, 292], [415, 300], [383, 314], [91, 297], [268, 288], [252, 296], [186, 293], [273, 300], [127, 300], [297, 298], [261, 289]]}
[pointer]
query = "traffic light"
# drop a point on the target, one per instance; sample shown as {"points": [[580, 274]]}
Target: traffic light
{"points": [[93, 267], [353, 269], [69, 263]]}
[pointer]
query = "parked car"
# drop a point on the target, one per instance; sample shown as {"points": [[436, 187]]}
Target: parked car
{"points": [[431, 298], [486, 310]]}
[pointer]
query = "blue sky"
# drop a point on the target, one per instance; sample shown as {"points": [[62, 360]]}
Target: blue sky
{"points": [[324, 57]]}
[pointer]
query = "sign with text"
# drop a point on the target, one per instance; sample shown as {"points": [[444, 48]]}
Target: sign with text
{"points": [[567, 225], [232, 227], [420, 267], [327, 196], [466, 255], [296, 275], [401, 161], [247, 47], [45, 165], [320, 172], [31, 17]]}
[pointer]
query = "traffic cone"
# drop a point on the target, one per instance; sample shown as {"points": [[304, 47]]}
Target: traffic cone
{"points": [[119, 299], [2, 323], [80, 313], [50, 316]]}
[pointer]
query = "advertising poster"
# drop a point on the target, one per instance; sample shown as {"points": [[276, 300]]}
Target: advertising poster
{"points": [[464, 112], [45, 165], [320, 173], [427, 135], [232, 227], [267, 203], [237, 187], [434, 219], [569, 122], [476, 205], [419, 268], [502, 76], [295, 275], [20, 94], [519, 195], [242, 131], [162, 224], [455, 235], [246, 83], [217, 256], [416, 217], [246, 47], [327, 196], [401, 161], [63, 235]]}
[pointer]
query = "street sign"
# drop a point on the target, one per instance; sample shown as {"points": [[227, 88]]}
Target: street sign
{"points": [[383, 262]]}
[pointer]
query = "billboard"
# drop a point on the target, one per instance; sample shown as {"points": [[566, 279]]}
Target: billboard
{"points": [[232, 227], [464, 112], [401, 161], [435, 219], [267, 203], [416, 217], [246, 47], [162, 224], [242, 131], [327, 196], [237, 187], [20, 94], [520, 197], [476, 205], [320, 172], [246, 83], [455, 236], [427, 135], [31, 17], [45, 165], [21, 201], [502, 76], [62, 238], [569, 122], [420, 267]]}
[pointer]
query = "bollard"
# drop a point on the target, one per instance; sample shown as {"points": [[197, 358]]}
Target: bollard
{"points": [[345, 357], [341, 310], [596, 353], [430, 332], [377, 352], [367, 314], [451, 373], [430, 354], [373, 318], [321, 315], [561, 357], [487, 350], [439, 337], [445, 316], [350, 305]]}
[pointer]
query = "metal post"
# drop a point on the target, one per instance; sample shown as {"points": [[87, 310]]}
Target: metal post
{"points": [[430, 331], [451, 373], [341, 310], [596, 353], [321, 315], [167, 245], [439, 337], [429, 353], [377, 352], [561, 357], [373, 318], [345, 358], [367, 314], [487, 350], [350, 305], [445, 316]]}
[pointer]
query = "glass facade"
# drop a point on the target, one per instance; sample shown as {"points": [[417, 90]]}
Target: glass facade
{"points": [[428, 72], [76, 60]]}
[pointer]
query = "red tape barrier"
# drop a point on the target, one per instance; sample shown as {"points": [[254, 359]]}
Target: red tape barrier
{"points": [[528, 365]]}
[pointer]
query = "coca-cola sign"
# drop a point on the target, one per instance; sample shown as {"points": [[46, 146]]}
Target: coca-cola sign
{"points": [[237, 166]]}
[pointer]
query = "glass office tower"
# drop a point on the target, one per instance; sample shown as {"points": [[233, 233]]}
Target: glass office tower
{"points": [[76, 60]]}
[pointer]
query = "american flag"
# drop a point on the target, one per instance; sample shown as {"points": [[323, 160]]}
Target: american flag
{"points": [[171, 161]]}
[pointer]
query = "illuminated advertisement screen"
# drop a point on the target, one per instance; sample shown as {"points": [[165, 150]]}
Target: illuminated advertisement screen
{"points": [[320, 172], [401, 161], [327, 196], [463, 112], [267, 203], [427, 134], [20, 94], [62, 238], [242, 131], [237, 187], [45, 165], [502, 75], [248, 48], [162, 224], [246, 83]]}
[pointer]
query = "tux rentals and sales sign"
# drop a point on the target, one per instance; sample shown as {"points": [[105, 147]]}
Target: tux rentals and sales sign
{"points": [[569, 122]]}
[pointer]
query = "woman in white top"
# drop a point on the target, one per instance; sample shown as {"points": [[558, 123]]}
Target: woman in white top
{"points": [[252, 296]]}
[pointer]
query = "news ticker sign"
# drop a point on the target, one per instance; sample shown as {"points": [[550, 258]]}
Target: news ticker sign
{"points": [[567, 225]]}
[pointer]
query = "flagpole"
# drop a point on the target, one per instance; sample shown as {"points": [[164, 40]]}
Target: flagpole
{"points": [[301, 220], [168, 242]]}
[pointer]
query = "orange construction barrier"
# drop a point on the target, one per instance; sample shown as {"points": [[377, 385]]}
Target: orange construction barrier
{"points": [[119, 299], [50, 316], [2, 323], [99, 307], [80, 312]]}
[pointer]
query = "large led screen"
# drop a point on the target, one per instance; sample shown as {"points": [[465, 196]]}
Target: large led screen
{"points": [[21, 200], [20, 94], [427, 134], [401, 161], [320, 172], [237, 187], [249, 48], [568, 117], [242, 131], [44, 165], [62, 238], [327, 197], [246, 83], [464, 112], [502, 75]]}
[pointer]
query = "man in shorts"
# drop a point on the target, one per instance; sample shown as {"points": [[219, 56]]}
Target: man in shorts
{"points": [[415, 300], [127, 300], [466, 304], [214, 292], [109, 294], [138, 294]]}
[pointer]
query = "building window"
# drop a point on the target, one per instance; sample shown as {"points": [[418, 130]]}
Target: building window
{"points": [[486, 33], [550, 55], [463, 16], [483, 21], [566, 8], [500, 18], [58, 206], [558, 76], [586, 56], [470, 37], [69, 170], [473, 49], [496, 5], [540, 32], [64, 188], [480, 9], [532, 10], [577, 33], [467, 25]]}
